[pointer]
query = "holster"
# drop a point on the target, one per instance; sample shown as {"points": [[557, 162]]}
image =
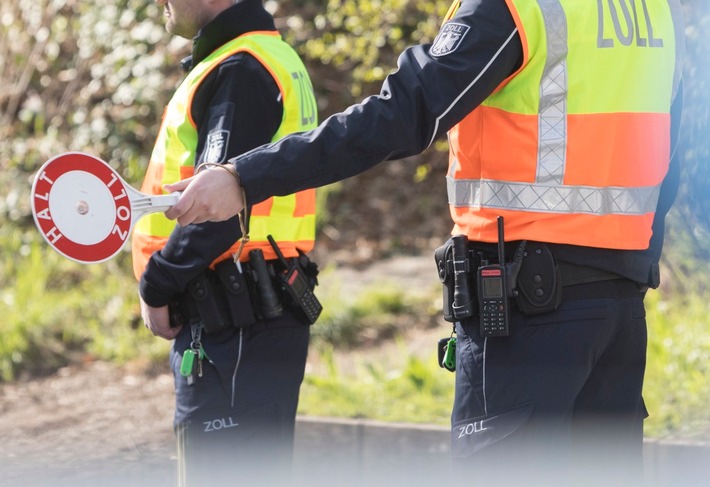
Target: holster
{"points": [[539, 285], [443, 259]]}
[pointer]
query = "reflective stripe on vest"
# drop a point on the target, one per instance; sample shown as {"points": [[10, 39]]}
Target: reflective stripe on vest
{"points": [[289, 219], [561, 159]]}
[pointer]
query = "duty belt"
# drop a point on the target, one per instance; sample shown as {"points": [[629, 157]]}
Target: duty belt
{"points": [[573, 274]]}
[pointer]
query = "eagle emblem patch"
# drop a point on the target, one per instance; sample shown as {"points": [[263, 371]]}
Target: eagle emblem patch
{"points": [[448, 39], [216, 149]]}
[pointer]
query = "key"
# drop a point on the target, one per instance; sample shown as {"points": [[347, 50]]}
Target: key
{"points": [[200, 356]]}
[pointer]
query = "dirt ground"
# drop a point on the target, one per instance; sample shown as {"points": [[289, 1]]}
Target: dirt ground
{"points": [[94, 424]]}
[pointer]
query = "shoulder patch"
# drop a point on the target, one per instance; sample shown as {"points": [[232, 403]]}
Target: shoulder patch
{"points": [[216, 147], [448, 39]]}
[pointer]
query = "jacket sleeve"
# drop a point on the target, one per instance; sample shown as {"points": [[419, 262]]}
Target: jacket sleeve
{"points": [[427, 94], [236, 109]]}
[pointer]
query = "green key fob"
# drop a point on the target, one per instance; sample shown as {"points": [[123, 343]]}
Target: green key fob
{"points": [[449, 361], [187, 365]]}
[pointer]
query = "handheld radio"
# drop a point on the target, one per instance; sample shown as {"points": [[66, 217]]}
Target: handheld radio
{"points": [[295, 283], [492, 297]]}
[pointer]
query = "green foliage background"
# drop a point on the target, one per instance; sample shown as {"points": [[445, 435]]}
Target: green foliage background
{"points": [[95, 76]]}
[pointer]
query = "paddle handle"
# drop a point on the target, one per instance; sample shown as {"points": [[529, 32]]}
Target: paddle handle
{"points": [[164, 201], [142, 204]]}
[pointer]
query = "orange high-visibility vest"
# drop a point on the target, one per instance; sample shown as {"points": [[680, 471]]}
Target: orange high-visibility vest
{"points": [[289, 219], [574, 146]]}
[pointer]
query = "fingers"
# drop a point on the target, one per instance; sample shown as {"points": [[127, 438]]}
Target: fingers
{"points": [[184, 204], [159, 327], [188, 208], [194, 213], [157, 321], [187, 211], [178, 186], [162, 332], [183, 211]]}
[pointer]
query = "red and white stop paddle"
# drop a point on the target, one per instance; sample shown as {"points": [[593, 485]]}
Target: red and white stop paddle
{"points": [[83, 208]]}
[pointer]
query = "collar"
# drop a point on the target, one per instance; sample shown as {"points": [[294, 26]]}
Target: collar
{"points": [[245, 16]]}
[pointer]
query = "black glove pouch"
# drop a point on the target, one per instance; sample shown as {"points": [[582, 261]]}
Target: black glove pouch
{"points": [[236, 294]]}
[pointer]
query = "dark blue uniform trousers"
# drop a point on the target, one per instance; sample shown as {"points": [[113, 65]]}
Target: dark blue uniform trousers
{"points": [[559, 400], [236, 423]]}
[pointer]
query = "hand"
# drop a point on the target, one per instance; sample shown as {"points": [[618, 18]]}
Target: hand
{"points": [[210, 195], [157, 320]]}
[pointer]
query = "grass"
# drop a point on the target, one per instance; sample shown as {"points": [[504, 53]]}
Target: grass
{"points": [[677, 389], [414, 390], [373, 314], [56, 312]]}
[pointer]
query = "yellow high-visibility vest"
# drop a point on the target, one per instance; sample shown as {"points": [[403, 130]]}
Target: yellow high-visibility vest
{"points": [[289, 219]]}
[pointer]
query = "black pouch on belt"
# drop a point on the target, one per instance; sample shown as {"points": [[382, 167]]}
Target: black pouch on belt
{"points": [[202, 300], [236, 294], [220, 298], [539, 286]]}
